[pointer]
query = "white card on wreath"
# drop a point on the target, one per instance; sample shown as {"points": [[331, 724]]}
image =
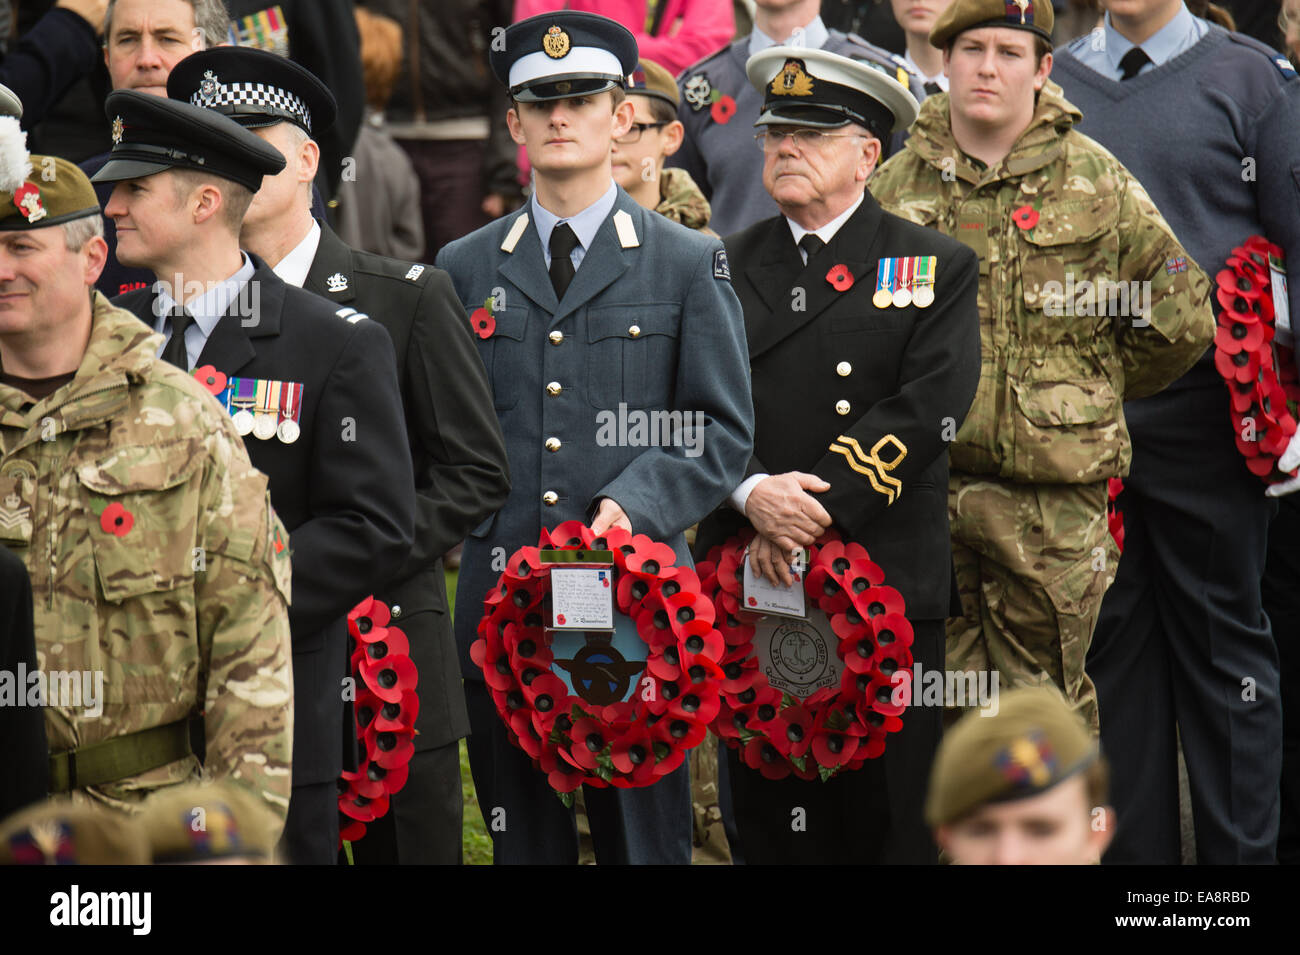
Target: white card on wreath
{"points": [[762, 597], [1283, 333], [582, 598]]}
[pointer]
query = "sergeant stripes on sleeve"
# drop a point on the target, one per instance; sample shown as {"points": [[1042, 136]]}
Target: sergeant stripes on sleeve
{"points": [[872, 465]]}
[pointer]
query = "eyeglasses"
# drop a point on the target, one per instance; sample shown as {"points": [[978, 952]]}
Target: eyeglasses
{"points": [[633, 135], [804, 139]]}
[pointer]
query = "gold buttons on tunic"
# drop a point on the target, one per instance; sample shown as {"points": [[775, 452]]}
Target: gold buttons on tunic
{"points": [[553, 388], [556, 337], [552, 444], [634, 331], [842, 407], [549, 498], [844, 369]]}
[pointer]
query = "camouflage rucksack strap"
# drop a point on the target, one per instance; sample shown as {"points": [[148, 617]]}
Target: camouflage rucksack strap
{"points": [[119, 758]]}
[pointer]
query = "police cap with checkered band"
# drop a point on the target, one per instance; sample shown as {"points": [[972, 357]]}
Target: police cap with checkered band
{"points": [[152, 135], [563, 54], [254, 88]]}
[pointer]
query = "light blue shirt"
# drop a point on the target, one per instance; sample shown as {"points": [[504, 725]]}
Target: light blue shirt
{"points": [[585, 224], [206, 309], [814, 37], [1103, 48]]}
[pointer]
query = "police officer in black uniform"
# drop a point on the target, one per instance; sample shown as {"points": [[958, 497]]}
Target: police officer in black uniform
{"points": [[315, 395], [455, 440], [855, 400]]}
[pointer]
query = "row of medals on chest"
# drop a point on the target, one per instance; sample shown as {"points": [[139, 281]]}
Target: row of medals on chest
{"points": [[904, 281], [264, 409]]}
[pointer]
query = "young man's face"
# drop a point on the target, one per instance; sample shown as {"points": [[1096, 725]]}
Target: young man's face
{"points": [[148, 215], [42, 283], [566, 136], [148, 38], [918, 16], [640, 161], [993, 75], [1053, 828]]}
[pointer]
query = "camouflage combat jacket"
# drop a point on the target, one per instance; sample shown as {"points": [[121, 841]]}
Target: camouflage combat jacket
{"points": [[155, 559], [680, 199], [1086, 298]]}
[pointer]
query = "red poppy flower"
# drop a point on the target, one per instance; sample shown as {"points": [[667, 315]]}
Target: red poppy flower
{"points": [[731, 571], [524, 563], [390, 676], [1241, 366], [570, 535], [400, 715], [651, 559], [825, 588], [211, 379], [700, 637], [1026, 217], [875, 601], [364, 809], [483, 323], [697, 701], [892, 628], [368, 620], [1261, 466], [739, 670], [795, 725], [632, 591], [890, 697], [1235, 284], [352, 832], [840, 277], [831, 748], [116, 520], [1248, 448], [526, 650], [723, 109], [547, 693], [653, 620], [679, 732], [633, 754], [390, 748], [589, 741], [561, 775], [761, 755], [686, 608]]}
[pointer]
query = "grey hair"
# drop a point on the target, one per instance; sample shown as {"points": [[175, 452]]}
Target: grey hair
{"points": [[80, 231], [210, 18]]}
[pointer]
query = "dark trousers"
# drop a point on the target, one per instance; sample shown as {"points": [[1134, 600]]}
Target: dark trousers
{"points": [[871, 815], [1183, 642], [451, 188], [423, 822], [1282, 603], [311, 832], [529, 825]]}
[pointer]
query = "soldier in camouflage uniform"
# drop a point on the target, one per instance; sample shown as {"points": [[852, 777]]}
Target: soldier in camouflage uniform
{"points": [[1051, 214], [157, 564]]}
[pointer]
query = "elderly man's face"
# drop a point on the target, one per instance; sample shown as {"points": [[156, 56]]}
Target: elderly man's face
{"points": [[804, 166]]}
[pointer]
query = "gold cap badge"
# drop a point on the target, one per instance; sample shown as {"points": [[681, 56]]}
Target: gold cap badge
{"points": [[555, 43], [117, 130], [792, 81]]}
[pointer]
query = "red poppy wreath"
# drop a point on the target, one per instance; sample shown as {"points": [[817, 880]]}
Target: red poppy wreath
{"points": [[1261, 375], [385, 710], [596, 733], [846, 719]]}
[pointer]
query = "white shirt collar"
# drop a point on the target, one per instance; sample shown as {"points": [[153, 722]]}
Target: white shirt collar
{"points": [[938, 79], [293, 268], [206, 309], [826, 232], [814, 37]]}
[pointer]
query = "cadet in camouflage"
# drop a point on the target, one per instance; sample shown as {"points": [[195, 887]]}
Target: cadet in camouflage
{"points": [[159, 572], [1086, 299]]}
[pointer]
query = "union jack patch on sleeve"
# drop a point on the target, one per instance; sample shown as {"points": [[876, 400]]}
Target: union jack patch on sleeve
{"points": [[1176, 265]]}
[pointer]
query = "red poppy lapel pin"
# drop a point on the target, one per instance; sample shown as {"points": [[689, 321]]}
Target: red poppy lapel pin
{"points": [[840, 277], [483, 321]]}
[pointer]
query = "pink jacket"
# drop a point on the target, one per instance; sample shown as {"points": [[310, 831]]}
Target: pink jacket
{"points": [[690, 29]]}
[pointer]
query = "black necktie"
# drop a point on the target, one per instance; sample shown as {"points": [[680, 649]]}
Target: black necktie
{"points": [[563, 242], [174, 351], [1132, 61], [811, 245]]}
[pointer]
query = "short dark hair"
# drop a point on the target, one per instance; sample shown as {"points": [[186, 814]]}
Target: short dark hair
{"points": [[235, 199], [661, 111]]}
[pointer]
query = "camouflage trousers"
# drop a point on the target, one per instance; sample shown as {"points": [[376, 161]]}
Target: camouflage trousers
{"points": [[1033, 562]]}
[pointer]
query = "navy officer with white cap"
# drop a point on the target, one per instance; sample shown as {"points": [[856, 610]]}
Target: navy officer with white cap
{"points": [[599, 306], [314, 394], [874, 320]]}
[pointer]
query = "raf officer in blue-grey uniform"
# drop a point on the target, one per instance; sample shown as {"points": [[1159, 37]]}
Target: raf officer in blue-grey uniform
{"points": [[597, 304], [718, 108]]}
